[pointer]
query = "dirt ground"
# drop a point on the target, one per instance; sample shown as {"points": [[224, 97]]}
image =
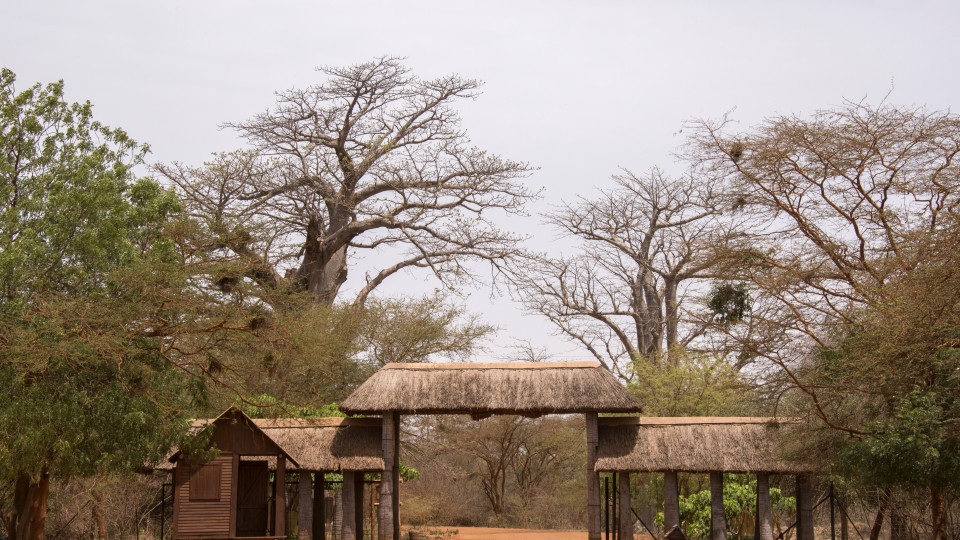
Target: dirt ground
{"points": [[485, 533]]}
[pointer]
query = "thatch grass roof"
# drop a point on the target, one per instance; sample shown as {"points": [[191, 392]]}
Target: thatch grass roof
{"points": [[319, 444], [727, 444], [529, 388], [329, 444]]}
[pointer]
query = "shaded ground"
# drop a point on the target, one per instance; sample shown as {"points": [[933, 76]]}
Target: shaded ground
{"points": [[487, 533]]}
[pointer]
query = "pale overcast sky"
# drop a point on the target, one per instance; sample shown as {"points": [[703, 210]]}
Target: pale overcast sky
{"points": [[576, 88]]}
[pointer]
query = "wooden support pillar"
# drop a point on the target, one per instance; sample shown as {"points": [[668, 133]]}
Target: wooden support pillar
{"points": [[319, 508], [396, 476], [593, 479], [304, 505], [626, 516], [671, 501], [764, 529], [385, 512], [349, 529], [280, 498], [718, 521], [358, 500], [804, 508]]}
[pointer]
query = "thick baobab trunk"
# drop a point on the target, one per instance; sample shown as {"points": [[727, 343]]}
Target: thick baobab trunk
{"points": [[29, 507], [322, 271], [672, 319]]}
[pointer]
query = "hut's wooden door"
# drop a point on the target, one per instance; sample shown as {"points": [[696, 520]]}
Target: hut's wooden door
{"points": [[253, 486]]}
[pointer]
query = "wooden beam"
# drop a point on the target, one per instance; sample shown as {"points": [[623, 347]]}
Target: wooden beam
{"points": [[804, 508], [385, 512], [764, 510], [280, 497], [718, 521], [304, 505], [671, 501], [319, 507], [349, 529], [593, 479], [626, 516]]}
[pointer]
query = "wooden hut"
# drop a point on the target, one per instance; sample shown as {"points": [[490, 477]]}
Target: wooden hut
{"points": [[480, 390], [713, 445], [228, 497]]}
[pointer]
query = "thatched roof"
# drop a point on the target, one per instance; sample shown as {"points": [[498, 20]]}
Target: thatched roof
{"points": [[698, 444], [318, 444], [528, 388], [329, 444]]}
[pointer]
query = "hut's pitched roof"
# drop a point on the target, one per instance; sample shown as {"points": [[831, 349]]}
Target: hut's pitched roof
{"points": [[528, 388], [317, 444], [253, 436], [699, 444]]}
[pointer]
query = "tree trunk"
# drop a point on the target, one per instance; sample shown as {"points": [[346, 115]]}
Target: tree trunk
{"points": [[899, 524], [29, 507], [672, 316], [98, 518], [937, 509], [881, 510]]}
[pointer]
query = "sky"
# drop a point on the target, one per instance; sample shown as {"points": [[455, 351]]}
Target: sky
{"points": [[578, 89]]}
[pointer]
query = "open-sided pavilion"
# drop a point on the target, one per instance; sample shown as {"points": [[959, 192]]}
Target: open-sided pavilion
{"points": [[713, 445], [481, 390]]}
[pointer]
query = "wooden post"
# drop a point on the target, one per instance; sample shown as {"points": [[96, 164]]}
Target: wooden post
{"points": [[606, 506], [280, 498], [626, 517], [764, 511], [833, 521], [671, 501], [349, 507], [396, 476], [358, 494], [593, 479], [804, 508], [319, 507], [386, 479], [304, 505], [718, 521]]}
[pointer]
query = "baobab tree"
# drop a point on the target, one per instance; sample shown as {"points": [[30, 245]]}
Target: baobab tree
{"points": [[642, 245], [373, 159]]}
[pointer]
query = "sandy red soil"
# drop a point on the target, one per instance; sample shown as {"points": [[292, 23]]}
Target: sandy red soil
{"points": [[486, 533]]}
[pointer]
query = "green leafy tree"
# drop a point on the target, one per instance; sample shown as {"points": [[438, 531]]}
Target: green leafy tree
{"points": [[855, 290], [98, 323]]}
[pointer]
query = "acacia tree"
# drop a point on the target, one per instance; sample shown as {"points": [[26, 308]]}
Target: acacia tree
{"points": [[859, 284], [644, 248], [372, 160], [85, 383]]}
